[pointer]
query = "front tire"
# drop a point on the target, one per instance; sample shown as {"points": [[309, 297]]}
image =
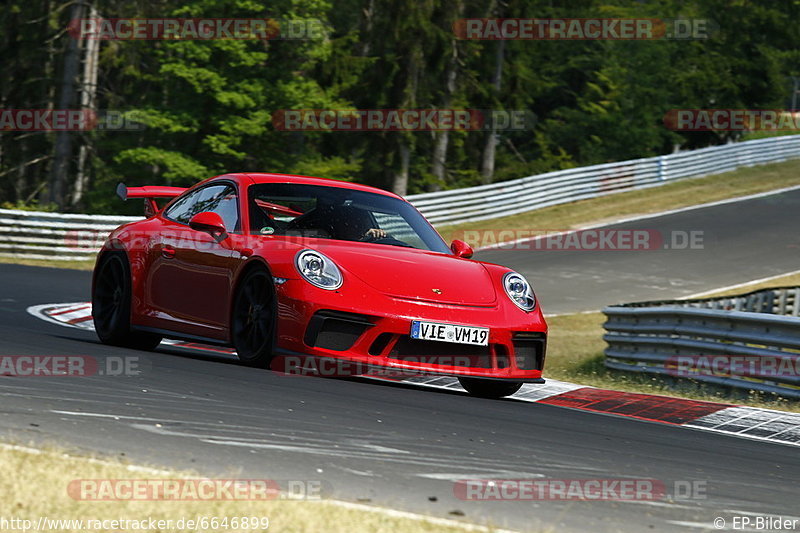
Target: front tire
{"points": [[489, 388], [111, 306], [253, 320]]}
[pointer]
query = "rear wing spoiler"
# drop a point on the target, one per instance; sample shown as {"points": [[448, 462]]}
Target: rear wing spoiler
{"points": [[149, 193]]}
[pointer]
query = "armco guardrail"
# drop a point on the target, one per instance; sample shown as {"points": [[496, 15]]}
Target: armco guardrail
{"points": [[535, 192], [40, 235], [37, 235], [711, 340]]}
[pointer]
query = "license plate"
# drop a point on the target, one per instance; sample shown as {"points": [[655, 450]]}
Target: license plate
{"points": [[434, 331]]}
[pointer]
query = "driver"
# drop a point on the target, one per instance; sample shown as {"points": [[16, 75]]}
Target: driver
{"points": [[349, 223]]}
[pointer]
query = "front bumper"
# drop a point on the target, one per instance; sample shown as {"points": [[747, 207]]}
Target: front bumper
{"points": [[332, 324]]}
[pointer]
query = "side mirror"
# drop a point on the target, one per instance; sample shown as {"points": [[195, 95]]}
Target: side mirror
{"points": [[461, 249], [211, 223]]}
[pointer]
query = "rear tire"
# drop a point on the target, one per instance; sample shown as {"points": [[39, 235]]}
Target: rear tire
{"points": [[253, 319], [111, 306], [489, 388]]}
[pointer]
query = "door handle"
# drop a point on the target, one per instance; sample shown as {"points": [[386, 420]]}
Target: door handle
{"points": [[168, 251]]}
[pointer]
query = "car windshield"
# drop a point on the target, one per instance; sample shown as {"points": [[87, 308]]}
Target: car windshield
{"points": [[340, 214]]}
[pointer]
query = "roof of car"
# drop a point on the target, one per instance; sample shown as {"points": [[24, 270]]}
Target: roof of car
{"points": [[263, 177]]}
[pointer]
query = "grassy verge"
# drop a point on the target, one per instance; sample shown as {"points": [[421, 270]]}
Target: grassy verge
{"points": [[36, 485], [74, 265], [575, 354], [789, 280], [675, 195]]}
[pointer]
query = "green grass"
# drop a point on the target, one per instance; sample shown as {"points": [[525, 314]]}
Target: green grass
{"points": [[575, 354], [73, 265]]}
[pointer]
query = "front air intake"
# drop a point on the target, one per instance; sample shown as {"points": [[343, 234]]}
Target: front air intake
{"points": [[335, 330], [529, 350]]}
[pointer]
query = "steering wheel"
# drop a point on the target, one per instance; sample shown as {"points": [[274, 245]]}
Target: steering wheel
{"points": [[369, 238], [387, 240]]}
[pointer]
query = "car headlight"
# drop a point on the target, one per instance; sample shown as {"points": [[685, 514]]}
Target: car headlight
{"points": [[318, 270], [519, 290]]}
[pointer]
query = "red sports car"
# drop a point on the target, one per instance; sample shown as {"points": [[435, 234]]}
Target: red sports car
{"points": [[278, 266]]}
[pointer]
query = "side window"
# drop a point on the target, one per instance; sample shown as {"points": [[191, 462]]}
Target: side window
{"points": [[183, 210], [220, 199], [226, 206]]}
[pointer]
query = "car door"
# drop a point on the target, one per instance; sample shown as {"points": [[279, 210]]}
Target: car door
{"points": [[191, 274]]}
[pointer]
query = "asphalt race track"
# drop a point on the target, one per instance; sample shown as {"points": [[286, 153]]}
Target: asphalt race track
{"points": [[404, 447], [740, 241]]}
